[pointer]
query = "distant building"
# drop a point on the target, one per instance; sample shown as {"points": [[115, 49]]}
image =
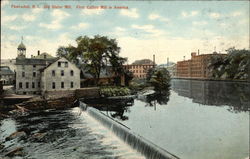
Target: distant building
{"points": [[140, 68], [107, 77], [7, 75], [196, 67], [60, 75], [10, 63]]}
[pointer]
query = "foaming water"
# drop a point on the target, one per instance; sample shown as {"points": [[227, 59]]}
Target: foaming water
{"points": [[67, 134], [145, 147]]}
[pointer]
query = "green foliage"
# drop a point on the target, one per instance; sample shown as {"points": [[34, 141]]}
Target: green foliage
{"points": [[234, 66], [138, 85], [114, 91], [160, 79], [95, 53]]}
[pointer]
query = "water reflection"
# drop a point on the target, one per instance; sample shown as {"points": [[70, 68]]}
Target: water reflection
{"points": [[114, 108], [215, 93]]}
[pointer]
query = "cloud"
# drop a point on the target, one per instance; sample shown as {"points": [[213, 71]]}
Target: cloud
{"points": [[214, 15], [236, 13], [28, 17], [199, 23], [92, 11], [149, 29], [165, 47], [8, 18], [17, 28], [189, 14], [58, 15], [154, 16], [132, 13], [80, 26]]}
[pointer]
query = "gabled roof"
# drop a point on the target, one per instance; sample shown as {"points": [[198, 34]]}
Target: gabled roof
{"points": [[56, 59]]}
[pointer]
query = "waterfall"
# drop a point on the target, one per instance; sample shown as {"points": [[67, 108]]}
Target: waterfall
{"points": [[137, 142]]}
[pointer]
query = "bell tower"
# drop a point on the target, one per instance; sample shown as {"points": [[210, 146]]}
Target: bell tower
{"points": [[21, 50]]}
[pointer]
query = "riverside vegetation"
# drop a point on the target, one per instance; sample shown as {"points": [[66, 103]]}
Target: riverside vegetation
{"points": [[235, 66]]}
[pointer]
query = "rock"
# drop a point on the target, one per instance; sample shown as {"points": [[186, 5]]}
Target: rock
{"points": [[16, 152], [1, 146], [18, 134], [38, 136]]}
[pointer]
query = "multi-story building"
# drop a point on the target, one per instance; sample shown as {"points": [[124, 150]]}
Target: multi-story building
{"points": [[33, 74], [196, 67], [60, 75], [140, 68]]}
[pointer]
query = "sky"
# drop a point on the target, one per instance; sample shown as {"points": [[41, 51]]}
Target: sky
{"points": [[168, 29]]}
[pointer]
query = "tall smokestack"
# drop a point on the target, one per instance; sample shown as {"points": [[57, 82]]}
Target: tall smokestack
{"points": [[38, 52], [167, 61], [198, 52]]}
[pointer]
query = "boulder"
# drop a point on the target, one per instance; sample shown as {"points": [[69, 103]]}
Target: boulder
{"points": [[15, 152], [18, 134], [38, 136]]}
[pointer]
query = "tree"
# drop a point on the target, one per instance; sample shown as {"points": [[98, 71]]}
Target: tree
{"points": [[160, 79], [95, 54]]}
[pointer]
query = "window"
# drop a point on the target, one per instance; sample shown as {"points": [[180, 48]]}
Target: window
{"points": [[53, 73], [20, 85], [33, 84], [38, 85], [34, 66], [59, 64], [23, 67], [23, 74], [72, 73], [71, 84], [53, 85], [62, 84], [66, 64], [27, 84], [62, 72], [34, 74]]}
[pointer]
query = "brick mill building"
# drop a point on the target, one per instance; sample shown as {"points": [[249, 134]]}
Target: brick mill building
{"points": [[140, 68], [196, 67]]}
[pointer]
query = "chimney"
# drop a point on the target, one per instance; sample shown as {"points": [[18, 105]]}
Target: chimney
{"points": [[38, 52], [167, 61], [198, 52]]}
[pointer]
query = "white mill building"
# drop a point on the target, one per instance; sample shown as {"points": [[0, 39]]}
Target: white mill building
{"points": [[44, 72]]}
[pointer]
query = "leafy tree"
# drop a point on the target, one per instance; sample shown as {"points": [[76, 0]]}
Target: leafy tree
{"points": [[236, 65], [95, 54], [160, 79]]}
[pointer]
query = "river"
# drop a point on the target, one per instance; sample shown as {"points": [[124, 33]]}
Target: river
{"points": [[193, 120]]}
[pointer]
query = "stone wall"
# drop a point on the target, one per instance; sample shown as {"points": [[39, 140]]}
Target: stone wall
{"points": [[91, 92], [59, 94]]}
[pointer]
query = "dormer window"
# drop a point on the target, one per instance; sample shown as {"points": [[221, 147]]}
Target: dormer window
{"points": [[59, 64], [66, 64]]}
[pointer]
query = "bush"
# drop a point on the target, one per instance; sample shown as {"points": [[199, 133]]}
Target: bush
{"points": [[114, 91]]}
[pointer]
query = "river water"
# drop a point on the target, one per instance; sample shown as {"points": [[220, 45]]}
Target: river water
{"points": [[67, 134], [194, 120]]}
